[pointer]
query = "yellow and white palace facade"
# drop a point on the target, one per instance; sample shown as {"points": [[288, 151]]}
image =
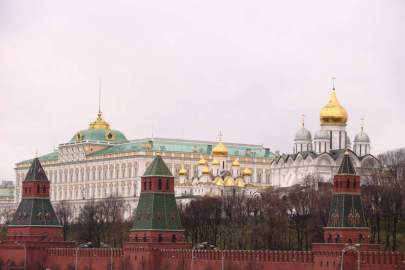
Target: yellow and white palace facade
{"points": [[99, 162]]}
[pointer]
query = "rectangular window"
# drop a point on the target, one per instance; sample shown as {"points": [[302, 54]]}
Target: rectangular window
{"points": [[150, 185], [160, 184], [167, 184]]}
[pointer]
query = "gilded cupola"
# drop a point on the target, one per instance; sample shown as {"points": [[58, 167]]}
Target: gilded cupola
{"points": [[235, 163], [220, 150], [99, 122], [202, 162], [206, 170], [215, 162], [247, 172], [182, 171], [333, 113]]}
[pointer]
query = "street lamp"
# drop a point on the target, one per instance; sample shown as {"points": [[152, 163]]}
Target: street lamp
{"points": [[25, 253], [222, 259], [348, 248]]}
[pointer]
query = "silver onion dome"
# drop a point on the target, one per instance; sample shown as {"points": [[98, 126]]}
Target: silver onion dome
{"points": [[362, 137], [321, 135], [303, 134]]}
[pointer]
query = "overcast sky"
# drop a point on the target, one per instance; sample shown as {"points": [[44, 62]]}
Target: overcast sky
{"points": [[187, 68]]}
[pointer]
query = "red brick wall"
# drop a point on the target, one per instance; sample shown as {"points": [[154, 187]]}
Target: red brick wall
{"points": [[89, 257]]}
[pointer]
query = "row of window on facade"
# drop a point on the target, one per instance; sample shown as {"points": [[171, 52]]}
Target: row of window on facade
{"points": [[89, 173], [88, 193]]}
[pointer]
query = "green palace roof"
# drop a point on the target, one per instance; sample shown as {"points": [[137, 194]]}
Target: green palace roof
{"points": [[99, 135], [168, 145]]}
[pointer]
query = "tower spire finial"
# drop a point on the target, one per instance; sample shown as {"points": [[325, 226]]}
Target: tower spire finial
{"points": [[362, 124], [333, 82]]}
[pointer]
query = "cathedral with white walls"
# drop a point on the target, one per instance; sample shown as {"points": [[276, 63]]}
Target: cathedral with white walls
{"points": [[319, 156]]}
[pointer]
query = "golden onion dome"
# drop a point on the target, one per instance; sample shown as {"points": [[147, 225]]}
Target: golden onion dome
{"points": [[220, 150], [235, 163], [247, 172], [240, 183], [206, 170], [215, 162], [218, 181], [99, 122], [229, 181], [183, 171], [333, 113], [202, 162]]}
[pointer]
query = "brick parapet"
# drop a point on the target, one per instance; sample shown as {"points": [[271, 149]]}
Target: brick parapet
{"points": [[85, 252], [240, 255]]}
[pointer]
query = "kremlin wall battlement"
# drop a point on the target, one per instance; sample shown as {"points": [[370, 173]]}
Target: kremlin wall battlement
{"points": [[170, 259], [147, 248]]}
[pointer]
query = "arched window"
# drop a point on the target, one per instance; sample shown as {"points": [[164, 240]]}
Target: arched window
{"points": [[173, 238], [37, 188], [360, 238], [150, 184], [348, 183], [144, 238], [354, 183], [144, 185], [160, 238]]}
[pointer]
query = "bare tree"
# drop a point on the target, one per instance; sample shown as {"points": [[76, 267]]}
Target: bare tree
{"points": [[64, 212]]}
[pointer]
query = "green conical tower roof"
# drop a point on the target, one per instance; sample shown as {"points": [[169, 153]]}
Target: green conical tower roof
{"points": [[35, 210], [346, 167], [157, 208], [158, 168], [36, 172]]}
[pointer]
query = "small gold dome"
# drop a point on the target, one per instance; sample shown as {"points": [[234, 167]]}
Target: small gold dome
{"points": [[333, 113], [183, 171], [206, 170], [235, 163], [218, 181], [220, 150], [229, 181], [240, 183], [202, 162], [247, 172], [99, 122], [215, 162]]}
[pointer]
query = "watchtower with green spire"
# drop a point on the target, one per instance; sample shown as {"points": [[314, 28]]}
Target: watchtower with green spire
{"points": [[35, 218], [346, 223], [157, 220]]}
